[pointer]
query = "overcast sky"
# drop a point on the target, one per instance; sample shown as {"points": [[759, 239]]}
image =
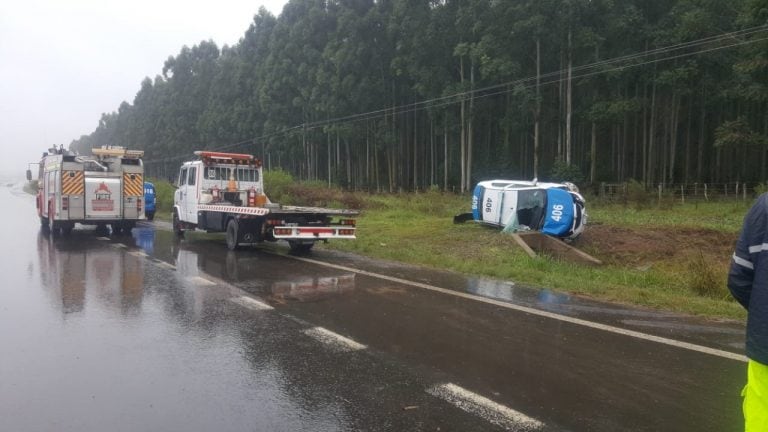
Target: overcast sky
{"points": [[65, 62]]}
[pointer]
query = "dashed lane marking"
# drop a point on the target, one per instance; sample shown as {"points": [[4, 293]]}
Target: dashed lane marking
{"points": [[251, 303], [197, 280], [164, 264], [333, 339], [537, 312], [139, 254], [102, 238], [485, 408]]}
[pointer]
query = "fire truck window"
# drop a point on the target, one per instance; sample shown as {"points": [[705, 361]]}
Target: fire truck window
{"points": [[192, 175], [211, 173]]}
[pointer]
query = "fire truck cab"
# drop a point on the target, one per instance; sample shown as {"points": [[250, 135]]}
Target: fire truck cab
{"points": [[106, 188]]}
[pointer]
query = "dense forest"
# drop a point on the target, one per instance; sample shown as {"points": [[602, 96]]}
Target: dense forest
{"points": [[388, 95]]}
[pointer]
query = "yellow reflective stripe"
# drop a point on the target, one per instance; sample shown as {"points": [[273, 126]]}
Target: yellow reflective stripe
{"points": [[756, 398], [133, 187], [72, 183]]}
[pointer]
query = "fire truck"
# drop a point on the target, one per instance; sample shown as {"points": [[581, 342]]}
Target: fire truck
{"points": [[224, 192], [106, 188]]}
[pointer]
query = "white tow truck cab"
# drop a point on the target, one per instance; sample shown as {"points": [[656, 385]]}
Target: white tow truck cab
{"points": [[106, 188], [224, 192]]}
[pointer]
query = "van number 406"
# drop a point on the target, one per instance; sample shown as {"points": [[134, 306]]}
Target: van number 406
{"points": [[557, 212]]}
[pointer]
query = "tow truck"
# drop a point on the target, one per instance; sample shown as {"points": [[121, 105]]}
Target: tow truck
{"points": [[224, 192]]}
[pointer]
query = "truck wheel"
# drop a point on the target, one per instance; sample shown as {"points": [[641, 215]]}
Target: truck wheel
{"points": [[67, 229], [177, 225], [117, 229], [128, 227], [233, 234], [299, 248]]}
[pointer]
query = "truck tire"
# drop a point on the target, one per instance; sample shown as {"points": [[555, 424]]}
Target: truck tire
{"points": [[177, 225], [233, 234], [128, 227], [299, 248]]}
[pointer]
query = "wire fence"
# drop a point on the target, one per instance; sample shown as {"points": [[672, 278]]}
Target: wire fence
{"points": [[684, 192]]}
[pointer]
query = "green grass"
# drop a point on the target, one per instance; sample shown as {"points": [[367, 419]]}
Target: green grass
{"points": [[725, 216], [418, 229]]}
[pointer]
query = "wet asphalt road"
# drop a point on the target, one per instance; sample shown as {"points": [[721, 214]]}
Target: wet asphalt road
{"points": [[146, 332]]}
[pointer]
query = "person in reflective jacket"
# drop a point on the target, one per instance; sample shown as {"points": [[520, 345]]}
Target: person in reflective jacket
{"points": [[748, 283]]}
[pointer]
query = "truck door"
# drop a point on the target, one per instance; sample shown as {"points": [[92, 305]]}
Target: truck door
{"points": [[192, 195], [180, 196]]}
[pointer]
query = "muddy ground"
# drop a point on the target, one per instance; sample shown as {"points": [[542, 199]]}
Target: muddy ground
{"points": [[642, 247]]}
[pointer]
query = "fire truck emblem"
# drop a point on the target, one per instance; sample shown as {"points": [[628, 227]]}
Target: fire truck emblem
{"points": [[103, 200]]}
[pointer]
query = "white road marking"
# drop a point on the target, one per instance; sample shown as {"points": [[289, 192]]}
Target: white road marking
{"points": [[165, 265], [333, 339], [484, 408], [250, 303], [537, 312], [119, 245], [140, 254], [102, 238], [200, 281]]}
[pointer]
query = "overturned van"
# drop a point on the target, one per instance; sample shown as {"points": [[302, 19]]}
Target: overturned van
{"points": [[555, 209]]}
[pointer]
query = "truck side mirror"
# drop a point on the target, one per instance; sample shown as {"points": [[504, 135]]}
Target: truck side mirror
{"points": [[29, 175]]}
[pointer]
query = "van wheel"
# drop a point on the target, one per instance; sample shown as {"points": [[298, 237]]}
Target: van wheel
{"points": [[233, 229], [177, 225]]}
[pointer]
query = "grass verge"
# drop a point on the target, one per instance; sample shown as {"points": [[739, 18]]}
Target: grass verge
{"points": [[672, 257]]}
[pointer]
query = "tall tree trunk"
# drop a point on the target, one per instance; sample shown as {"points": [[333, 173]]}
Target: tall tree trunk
{"points": [[463, 130], [569, 103], [702, 132], [673, 137], [537, 111], [651, 137], [560, 109], [432, 152], [646, 181], [349, 164], [445, 152], [593, 154], [470, 134]]}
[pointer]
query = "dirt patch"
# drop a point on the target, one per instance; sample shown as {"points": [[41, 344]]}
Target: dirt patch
{"points": [[637, 247]]}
